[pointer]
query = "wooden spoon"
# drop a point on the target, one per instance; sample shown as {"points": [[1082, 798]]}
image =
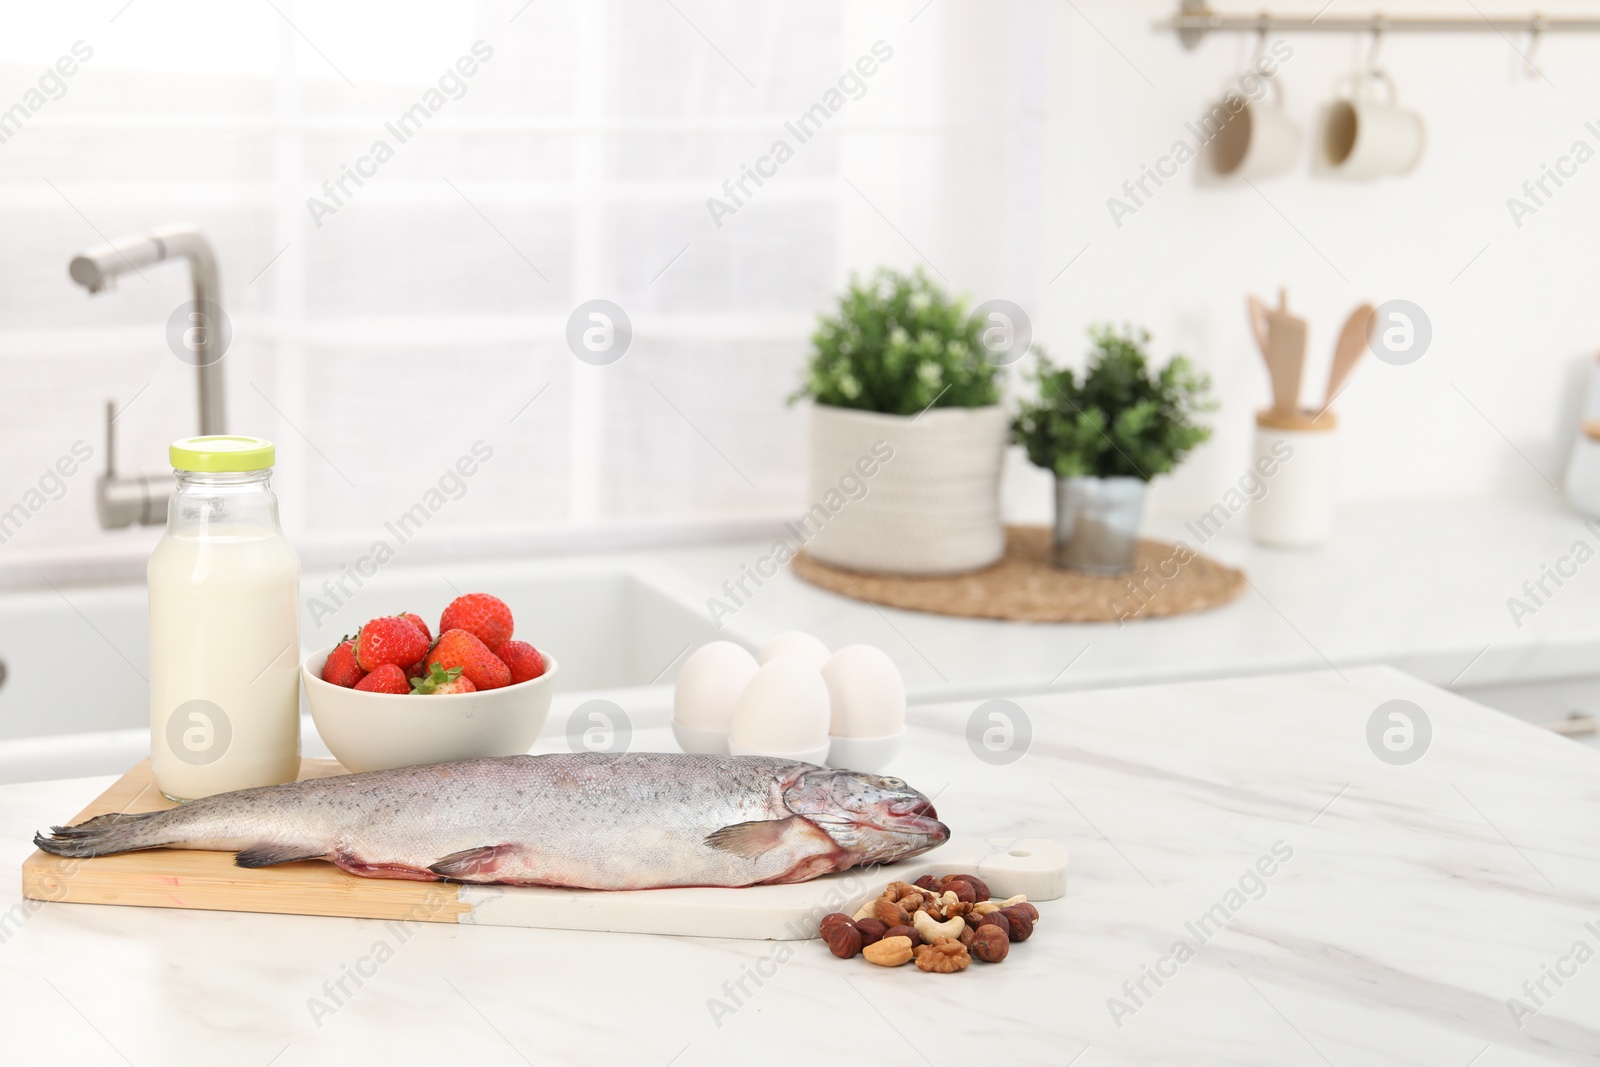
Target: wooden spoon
{"points": [[1347, 353], [1282, 338]]}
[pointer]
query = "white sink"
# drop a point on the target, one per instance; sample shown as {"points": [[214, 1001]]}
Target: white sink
{"points": [[74, 700]]}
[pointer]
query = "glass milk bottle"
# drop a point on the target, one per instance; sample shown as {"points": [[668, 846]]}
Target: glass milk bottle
{"points": [[224, 626]]}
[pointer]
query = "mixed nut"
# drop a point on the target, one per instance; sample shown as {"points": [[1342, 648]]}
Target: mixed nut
{"points": [[941, 923]]}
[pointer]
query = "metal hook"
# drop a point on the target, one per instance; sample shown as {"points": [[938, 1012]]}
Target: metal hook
{"points": [[1262, 26], [1537, 24], [1379, 24]]}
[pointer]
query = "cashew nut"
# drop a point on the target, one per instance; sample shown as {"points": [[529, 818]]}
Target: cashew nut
{"points": [[865, 911], [931, 930], [985, 908], [1018, 899]]}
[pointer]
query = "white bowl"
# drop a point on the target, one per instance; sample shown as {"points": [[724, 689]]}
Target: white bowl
{"points": [[866, 754], [381, 731], [819, 756], [704, 742]]}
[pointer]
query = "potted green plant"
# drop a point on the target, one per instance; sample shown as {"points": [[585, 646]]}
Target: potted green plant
{"points": [[907, 433], [1105, 436]]}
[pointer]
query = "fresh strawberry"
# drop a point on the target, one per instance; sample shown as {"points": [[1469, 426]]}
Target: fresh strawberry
{"points": [[483, 616], [389, 639], [523, 659], [441, 680], [341, 667], [416, 620], [458, 648], [385, 678]]}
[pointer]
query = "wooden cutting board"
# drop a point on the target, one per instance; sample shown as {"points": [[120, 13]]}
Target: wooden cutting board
{"points": [[209, 881]]}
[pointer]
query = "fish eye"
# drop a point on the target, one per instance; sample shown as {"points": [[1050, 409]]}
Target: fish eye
{"points": [[894, 783]]}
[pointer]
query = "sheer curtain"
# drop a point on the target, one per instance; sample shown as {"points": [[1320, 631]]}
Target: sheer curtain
{"points": [[382, 327]]}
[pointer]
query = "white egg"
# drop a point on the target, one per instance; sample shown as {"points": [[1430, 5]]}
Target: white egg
{"points": [[709, 684], [795, 643], [784, 709], [867, 693]]}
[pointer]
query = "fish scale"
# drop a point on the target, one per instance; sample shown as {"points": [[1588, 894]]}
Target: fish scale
{"points": [[581, 820]]}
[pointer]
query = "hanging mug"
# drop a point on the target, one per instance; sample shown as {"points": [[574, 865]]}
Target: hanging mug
{"points": [[1245, 137], [1367, 134]]}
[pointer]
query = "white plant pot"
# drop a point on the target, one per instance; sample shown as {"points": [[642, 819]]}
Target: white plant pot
{"points": [[904, 494]]}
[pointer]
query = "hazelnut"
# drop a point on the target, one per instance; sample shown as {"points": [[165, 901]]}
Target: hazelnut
{"points": [[843, 941], [999, 919], [1033, 912], [890, 952], [990, 944], [907, 932], [943, 957], [829, 921], [871, 930], [927, 881], [968, 936], [963, 889], [978, 885], [1021, 923], [890, 914]]}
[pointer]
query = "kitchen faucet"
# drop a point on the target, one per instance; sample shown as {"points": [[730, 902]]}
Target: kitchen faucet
{"points": [[142, 498]]}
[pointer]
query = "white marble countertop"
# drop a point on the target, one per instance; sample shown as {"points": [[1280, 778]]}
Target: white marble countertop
{"points": [[1422, 586], [1404, 906]]}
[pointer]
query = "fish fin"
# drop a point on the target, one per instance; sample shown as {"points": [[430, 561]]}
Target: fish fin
{"points": [[751, 839], [265, 855], [484, 859], [103, 835]]}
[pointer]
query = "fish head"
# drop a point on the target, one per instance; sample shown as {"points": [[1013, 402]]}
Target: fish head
{"points": [[875, 819]]}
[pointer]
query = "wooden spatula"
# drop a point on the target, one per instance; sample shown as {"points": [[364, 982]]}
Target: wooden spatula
{"points": [[1282, 338], [1347, 353]]}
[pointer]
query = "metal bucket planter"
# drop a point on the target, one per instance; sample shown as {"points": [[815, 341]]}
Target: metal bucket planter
{"points": [[1097, 524]]}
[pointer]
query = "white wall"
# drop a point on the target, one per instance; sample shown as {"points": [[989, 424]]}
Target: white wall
{"points": [[1513, 332]]}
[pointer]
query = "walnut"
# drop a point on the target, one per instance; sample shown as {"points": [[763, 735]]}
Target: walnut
{"points": [[943, 957], [990, 944], [896, 890], [890, 952], [911, 901], [959, 907], [890, 914]]}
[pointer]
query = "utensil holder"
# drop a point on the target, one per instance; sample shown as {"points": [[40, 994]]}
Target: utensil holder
{"points": [[1298, 507], [1583, 470]]}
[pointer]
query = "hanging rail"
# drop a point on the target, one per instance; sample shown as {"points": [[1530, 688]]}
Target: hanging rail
{"points": [[1194, 20]]}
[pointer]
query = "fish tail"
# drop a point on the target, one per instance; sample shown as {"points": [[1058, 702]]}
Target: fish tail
{"points": [[103, 835]]}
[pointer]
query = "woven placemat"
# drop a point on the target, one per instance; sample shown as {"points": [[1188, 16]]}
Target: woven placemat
{"points": [[1166, 579]]}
